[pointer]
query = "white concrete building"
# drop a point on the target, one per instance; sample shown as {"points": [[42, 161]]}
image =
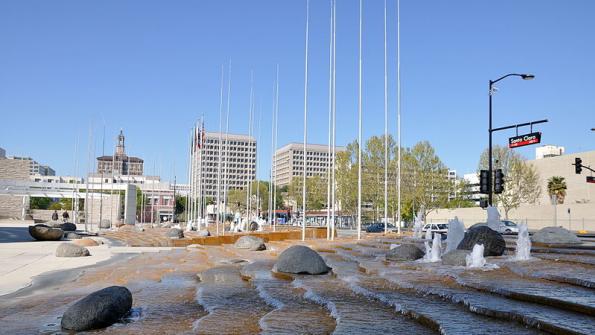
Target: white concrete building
{"points": [[289, 161], [35, 169], [238, 162], [546, 151]]}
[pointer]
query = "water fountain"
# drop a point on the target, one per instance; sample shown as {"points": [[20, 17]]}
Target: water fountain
{"points": [[433, 253], [418, 225], [493, 221], [475, 259], [456, 232], [523, 243]]}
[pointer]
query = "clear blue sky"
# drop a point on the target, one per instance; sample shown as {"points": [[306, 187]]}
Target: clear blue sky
{"points": [[153, 68]]}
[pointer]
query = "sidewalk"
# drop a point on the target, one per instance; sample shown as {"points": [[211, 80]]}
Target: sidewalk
{"points": [[22, 258]]}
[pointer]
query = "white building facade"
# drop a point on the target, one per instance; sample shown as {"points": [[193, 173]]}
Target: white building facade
{"points": [[289, 161]]}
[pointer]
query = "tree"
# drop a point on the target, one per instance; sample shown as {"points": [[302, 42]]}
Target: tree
{"points": [[556, 185], [521, 179], [40, 203], [316, 190], [346, 179]]}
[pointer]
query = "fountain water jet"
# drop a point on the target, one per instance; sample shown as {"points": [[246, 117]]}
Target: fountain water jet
{"points": [[476, 259], [433, 253], [418, 225], [493, 220], [456, 232], [523, 244]]}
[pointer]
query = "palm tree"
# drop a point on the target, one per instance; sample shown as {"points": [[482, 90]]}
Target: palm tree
{"points": [[556, 185]]}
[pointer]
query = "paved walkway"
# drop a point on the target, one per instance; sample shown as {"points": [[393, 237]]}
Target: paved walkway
{"points": [[22, 258]]}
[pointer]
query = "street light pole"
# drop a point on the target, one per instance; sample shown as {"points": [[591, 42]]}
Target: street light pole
{"points": [[490, 129]]}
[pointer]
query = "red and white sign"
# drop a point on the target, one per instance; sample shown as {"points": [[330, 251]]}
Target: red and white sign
{"points": [[522, 140]]}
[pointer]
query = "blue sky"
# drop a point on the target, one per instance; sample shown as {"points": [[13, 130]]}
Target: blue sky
{"points": [[153, 68]]}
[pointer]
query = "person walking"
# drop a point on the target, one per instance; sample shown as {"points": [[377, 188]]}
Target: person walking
{"points": [[55, 215], [65, 216]]}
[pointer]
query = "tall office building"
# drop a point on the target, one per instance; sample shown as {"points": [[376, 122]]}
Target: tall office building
{"points": [[120, 162], [238, 162], [289, 161]]}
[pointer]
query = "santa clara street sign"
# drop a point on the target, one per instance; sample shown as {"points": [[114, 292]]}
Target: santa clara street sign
{"points": [[522, 140]]}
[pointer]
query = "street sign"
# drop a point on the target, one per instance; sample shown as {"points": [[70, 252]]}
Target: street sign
{"points": [[522, 140], [591, 179]]}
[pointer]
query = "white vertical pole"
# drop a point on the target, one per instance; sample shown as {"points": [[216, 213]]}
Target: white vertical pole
{"points": [[360, 144], [274, 152], [399, 116], [330, 111], [334, 153], [225, 176], [385, 130], [257, 165], [305, 122], [248, 180], [218, 201]]}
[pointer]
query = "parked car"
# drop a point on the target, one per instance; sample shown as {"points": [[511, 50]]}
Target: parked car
{"points": [[378, 227], [505, 227], [440, 228]]}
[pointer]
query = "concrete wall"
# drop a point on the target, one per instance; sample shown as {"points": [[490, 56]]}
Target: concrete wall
{"points": [[582, 216], [579, 191], [14, 169], [108, 209], [12, 206]]}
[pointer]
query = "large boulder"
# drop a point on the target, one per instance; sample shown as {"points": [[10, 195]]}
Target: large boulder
{"points": [[493, 242], [253, 226], [203, 233], [175, 233], [251, 243], [67, 226], [42, 232], [99, 309], [555, 236], [404, 252], [300, 259], [455, 257], [71, 250], [105, 224]]}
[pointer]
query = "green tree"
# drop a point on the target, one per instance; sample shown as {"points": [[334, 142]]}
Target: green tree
{"points": [[40, 203], [556, 185], [521, 180], [316, 192]]}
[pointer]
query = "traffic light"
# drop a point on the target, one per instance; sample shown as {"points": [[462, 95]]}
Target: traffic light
{"points": [[484, 182], [499, 182], [578, 165], [483, 203]]}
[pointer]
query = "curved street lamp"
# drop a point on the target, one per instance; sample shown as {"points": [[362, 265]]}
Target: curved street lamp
{"points": [[524, 76]]}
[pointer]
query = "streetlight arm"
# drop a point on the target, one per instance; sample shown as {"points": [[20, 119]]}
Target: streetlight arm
{"points": [[524, 76]]}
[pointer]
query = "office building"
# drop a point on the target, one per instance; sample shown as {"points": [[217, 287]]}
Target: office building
{"points": [[289, 161], [548, 151]]}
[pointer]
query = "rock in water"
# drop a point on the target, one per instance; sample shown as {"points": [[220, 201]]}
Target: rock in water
{"points": [[99, 309], [253, 226], [67, 226], [204, 233], [404, 252], [493, 242], [72, 236], [251, 243], [455, 257], [105, 224], [555, 236], [175, 233], [42, 232], [300, 259], [71, 250]]}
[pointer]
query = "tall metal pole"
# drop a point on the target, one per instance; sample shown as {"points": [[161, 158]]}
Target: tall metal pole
{"points": [[334, 136], [225, 179], [330, 112], [359, 136], [385, 130], [399, 116], [305, 123], [274, 151], [219, 156], [490, 91]]}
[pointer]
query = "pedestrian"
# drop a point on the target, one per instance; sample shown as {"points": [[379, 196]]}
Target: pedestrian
{"points": [[65, 216], [55, 215]]}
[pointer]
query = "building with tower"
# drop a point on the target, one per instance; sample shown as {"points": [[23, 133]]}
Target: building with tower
{"points": [[120, 163]]}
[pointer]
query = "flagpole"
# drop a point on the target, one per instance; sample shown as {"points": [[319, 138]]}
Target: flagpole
{"points": [[225, 179], [385, 130], [359, 149], [399, 115], [219, 156], [305, 122], [330, 111], [334, 153], [248, 181], [274, 150]]}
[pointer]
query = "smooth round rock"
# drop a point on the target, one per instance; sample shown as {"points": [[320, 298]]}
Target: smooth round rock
{"points": [[67, 226], [493, 242], [253, 226], [86, 242], [71, 250], [175, 233], [251, 243], [203, 233], [99, 309], [404, 252], [555, 236], [42, 232], [105, 224], [455, 257], [72, 236], [300, 259]]}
